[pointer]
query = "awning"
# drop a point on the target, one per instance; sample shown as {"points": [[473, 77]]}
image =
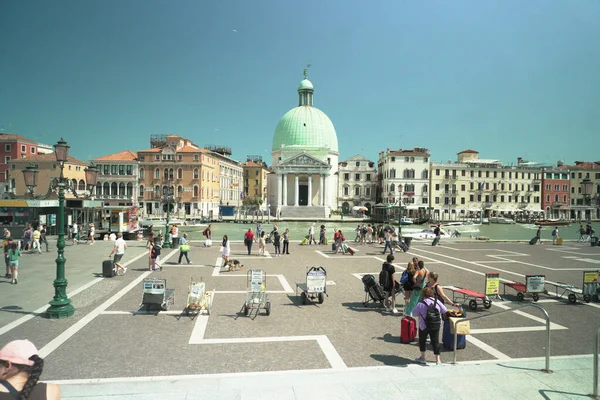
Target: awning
{"points": [[412, 207], [13, 203]]}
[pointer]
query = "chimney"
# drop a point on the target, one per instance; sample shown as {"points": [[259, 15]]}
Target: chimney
{"points": [[519, 160]]}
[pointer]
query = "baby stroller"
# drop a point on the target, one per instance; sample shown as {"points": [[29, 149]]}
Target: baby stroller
{"points": [[373, 291]]}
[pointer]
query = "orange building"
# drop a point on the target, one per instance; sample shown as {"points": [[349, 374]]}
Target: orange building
{"points": [[192, 173]]}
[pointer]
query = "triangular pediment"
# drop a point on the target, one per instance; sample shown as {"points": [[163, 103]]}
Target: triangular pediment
{"points": [[304, 159]]}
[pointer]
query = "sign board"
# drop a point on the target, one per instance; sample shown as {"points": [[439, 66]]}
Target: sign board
{"points": [[197, 290], [43, 219], [492, 283], [535, 283], [52, 219], [256, 280], [590, 277], [315, 281], [590, 283]]}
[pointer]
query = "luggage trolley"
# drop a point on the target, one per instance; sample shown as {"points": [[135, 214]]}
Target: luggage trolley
{"points": [[257, 296], [492, 288], [589, 290], [315, 286], [155, 294], [198, 299], [534, 284]]}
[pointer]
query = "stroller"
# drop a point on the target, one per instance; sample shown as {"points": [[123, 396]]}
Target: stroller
{"points": [[373, 291]]}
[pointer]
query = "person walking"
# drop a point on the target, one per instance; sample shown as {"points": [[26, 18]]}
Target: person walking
{"points": [[286, 241], [538, 235], [44, 238], [261, 243], [225, 250], [581, 233], [277, 242], [5, 246], [248, 240], [119, 251], [154, 255], [150, 236], [390, 286], [13, 261], [184, 249], [311, 234], [174, 235], [20, 371], [429, 311], [27, 234], [207, 234], [322, 239], [555, 235], [36, 241], [74, 232], [91, 233], [388, 242]]}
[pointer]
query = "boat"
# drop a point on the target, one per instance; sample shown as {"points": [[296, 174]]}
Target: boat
{"points": [[194, 224], [406, 221], [422, 220], [501, 220], [159, 222], [425, 234], [553, 222]]}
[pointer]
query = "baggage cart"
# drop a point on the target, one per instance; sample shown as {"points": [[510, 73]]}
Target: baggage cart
{"points": [[156, 295], [533, 286], [198, 299], [257, 297], [315, 286], [470, 296], [589, 290]]}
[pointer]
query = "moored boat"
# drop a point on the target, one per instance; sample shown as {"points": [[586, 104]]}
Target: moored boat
{"points": [[553, 222]]}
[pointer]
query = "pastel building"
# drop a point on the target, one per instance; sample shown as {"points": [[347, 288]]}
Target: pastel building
{"points": [[357, 184], [556, 192], [585, 190], [117, 178]]}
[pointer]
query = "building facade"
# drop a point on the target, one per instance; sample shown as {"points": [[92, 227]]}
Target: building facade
{"points": [[178, 166], [404, 179], [305, 160], [118, 176], [357, 177], [230, 175], [479, 188], [256, 174], [13, 147], [585, 190], [556, 192]]}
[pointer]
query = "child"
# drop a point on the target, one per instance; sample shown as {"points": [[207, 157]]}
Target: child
{"points": [[154, 254], [13, 261]]}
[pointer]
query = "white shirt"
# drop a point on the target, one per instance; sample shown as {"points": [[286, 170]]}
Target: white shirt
{"points": [[74, 227], [121, 245], [112, 237]]}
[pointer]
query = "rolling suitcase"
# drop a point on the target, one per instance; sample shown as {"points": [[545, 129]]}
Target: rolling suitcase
{"points": [[408, 330], [108, 269], [333, 247], [403, 246], [435, 241], [559, 241], [448, 338], [351, 250], [533, 241]]}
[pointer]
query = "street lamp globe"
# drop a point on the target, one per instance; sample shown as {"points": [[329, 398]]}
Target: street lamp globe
{"points": [[91, 176], [61, 150], [30, 176]]}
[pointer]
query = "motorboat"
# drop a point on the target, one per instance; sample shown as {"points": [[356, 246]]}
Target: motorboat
{"points": [[501, 220], [194, 224], [424, 234], [553, 222], [406, 221], [159, 221]]}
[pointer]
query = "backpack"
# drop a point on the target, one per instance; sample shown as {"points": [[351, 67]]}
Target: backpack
{"points": [[156, 251], [204, 233], [364, 231], [404, 277], [433, 317], [554, 232], [384, 277]]}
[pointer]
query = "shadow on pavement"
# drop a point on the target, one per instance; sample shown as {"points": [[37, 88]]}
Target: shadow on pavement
{"points": [[392, 360], [360, 307], [545, 396]]}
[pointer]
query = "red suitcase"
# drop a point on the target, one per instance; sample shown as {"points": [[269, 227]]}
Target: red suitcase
{"points": [[408, 330], [351, 251]]}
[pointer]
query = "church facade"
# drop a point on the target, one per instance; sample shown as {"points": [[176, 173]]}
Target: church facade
{"points": [[305, 160]]}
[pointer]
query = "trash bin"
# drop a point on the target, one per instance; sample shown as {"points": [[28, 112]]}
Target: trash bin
{"points": [[407, 241], [175, 242], [594, 241]]}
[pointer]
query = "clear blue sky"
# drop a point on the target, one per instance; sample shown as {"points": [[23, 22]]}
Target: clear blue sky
{"points": [[508, 78]]}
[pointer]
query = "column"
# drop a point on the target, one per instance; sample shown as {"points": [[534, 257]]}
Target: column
{"points": [[296, 190], [309, 202], [285, 203], [278, 192], [322, 190], [325, 190]]}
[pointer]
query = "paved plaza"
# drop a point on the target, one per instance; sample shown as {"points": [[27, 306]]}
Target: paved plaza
{"points": [[339, 349]]}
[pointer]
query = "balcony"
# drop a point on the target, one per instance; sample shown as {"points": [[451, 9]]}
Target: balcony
{"points": [[451, 193], [558, 204], [486, 205]]}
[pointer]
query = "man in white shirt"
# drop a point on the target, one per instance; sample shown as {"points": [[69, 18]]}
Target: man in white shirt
{"points": [[74, 233], [119, 250]]}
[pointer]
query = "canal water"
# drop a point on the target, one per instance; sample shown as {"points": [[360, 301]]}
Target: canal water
{"points": [[299, 229]]}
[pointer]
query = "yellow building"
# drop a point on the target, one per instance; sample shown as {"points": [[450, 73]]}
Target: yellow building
{"points": [[255, 178], [585, 190], [192, 171]]}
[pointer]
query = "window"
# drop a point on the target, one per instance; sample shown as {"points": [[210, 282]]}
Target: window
{"points": [[113, 170], [32, 150], [130, 170], [141, 173], [7, 147], [479, 174], [565, 188], [179, 157], [196, 157], [346, 190], [462, 187], [565, 198], [463, 172], [195, 173], [121, 170], [358, 163], [547, 198], [157, 157], [368, 191], [368, 177], [478, 197], [437, 186], [357, 177], [346, 176], [425, 174], [425, 200], [12, 166], [557, 188], [393, 159], [357, 190], [437, 172], [406, 159], [196, 191], [502, 199], [462, 200], [141, 191], [392, 187], [471, 197], [437, 200], [24, 150], [425, 188], [157, 173], [6, 159], [487, 174]]}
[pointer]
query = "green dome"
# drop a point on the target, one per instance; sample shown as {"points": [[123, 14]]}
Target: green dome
{"points": [[305, 84], [305, 126]]}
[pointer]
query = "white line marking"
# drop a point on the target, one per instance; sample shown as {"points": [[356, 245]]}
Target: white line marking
{"points": [[75, 292], [69, 332], [492, 262], [514, 329], [323, 254], [284, 283], [487, 348], [504, 306], [140, 312], [245, 291], [199, 330], [334, 358]]}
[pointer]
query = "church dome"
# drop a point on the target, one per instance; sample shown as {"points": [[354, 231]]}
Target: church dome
{"points": [[305, 125]]}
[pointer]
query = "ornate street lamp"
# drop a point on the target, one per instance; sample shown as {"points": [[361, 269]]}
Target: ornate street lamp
{"points": [[168, 199], [60, 305]]}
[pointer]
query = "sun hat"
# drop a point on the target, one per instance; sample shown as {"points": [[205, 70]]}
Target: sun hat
{"points": [[19, 352]]}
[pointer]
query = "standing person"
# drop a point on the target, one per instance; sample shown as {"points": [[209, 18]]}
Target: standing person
{"points": [[207, 234], [370, 235], [36, 241], [43, 238], [538, 235], [154, 255], [380, 234], [20, 370], [555, 235], [438, 292], [248, 239], [6, 245], [363, 234], [388, 242], [311, 234], [5, 233], [261, 243], [418, 284], [74, 232], [150, 236], [581, 233], [438, 234], [408, 285], [174, 234], [277, 242], [286, 241], [225, 250], [259, 229], [390, 287], [429, 311], [184, 249], [322, 239], [13, 261], [27, 238], [91, 233], [119, 251]]}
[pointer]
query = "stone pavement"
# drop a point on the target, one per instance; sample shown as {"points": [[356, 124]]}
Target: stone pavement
{"points": [[112, 347]]}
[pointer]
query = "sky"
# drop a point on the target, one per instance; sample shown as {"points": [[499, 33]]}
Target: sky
{"points": [[508, 78]]}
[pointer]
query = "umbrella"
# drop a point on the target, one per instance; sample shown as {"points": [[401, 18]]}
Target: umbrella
{"points": [[363, 208]]}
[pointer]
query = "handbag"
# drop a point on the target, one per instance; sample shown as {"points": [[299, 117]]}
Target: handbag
{"points": [[184, 248]]}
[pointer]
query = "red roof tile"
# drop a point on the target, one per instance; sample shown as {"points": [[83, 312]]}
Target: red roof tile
{"points": [[126, 155], [48, 157], [468, 151], [10, 137]]}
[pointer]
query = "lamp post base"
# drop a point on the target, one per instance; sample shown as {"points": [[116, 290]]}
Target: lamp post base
{"points": [[60, 309]]}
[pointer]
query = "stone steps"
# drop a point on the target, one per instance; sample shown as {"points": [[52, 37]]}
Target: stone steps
{"points": [[302, 212]]}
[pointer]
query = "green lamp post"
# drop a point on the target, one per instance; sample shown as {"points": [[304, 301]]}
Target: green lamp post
{"points": [[169, 195], [60, 305]]}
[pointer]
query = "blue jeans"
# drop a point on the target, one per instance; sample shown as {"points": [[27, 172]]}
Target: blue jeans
{"points": [[388, 244]]}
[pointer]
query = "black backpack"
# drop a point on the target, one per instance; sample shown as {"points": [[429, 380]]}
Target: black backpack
{"points": [[433, 318], [384, 277], [156, 251]]}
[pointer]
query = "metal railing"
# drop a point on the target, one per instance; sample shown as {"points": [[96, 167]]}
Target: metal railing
{"points": [[547, 369], [596, 349]]}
